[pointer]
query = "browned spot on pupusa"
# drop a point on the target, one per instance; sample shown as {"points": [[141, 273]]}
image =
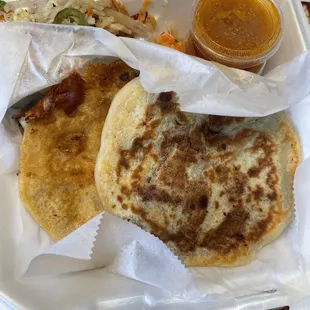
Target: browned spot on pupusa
{"points": [[260, 228], [71, 144], [228, 234], [161, 163], [258, 193], [218, 123], [152, 193], [124, 206]]}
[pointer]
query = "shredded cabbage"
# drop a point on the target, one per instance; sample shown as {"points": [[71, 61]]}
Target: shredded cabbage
{"points": [[44, 11]]}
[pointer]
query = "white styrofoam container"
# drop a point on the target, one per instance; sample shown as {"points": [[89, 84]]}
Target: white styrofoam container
{"points": [[302, 19], [84, 288], [296, 37]]}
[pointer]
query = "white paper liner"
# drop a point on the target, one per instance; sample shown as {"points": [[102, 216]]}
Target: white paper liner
{"points": [[11, 60], [209, 89], [105, 241], [276, 277]]}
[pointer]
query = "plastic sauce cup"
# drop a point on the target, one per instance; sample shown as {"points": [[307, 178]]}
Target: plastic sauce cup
{"points": [[242, 34]]}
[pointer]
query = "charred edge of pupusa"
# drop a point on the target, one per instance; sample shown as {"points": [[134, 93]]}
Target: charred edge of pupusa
{"points": [[42, 107], [67, 95]]}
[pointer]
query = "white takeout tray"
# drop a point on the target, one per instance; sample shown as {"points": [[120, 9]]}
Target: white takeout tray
{"points": [[87, 290], [302, 17], [296, 34]]}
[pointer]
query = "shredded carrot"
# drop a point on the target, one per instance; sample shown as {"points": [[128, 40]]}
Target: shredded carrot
{"points": [[145, 5], [1, 18], [168, 40], [89, 10], [119, 7], [179, 47], [143, 10]]}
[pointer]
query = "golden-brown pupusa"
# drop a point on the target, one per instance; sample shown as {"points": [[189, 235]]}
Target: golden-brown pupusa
{"points": [[60, 145]]}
